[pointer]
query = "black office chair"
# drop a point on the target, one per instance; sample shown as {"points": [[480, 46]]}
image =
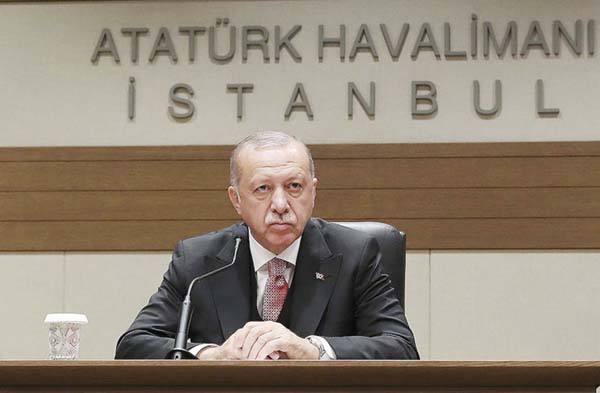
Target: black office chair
{"points": [[393, 251]]}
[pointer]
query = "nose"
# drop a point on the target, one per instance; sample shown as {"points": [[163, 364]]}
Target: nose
{"points": [[279, 202]]}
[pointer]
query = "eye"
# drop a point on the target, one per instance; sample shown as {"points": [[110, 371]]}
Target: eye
{"points": [[295, 187], [262, 188]]}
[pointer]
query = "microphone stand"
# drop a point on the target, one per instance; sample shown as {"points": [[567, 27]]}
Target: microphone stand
{"points": [[179, 351]]}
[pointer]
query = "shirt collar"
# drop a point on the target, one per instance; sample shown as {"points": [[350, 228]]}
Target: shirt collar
{"points": [[260, 255]]}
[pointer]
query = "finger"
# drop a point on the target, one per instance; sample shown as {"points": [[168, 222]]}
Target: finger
{"points": [[238, 338], [253, 334], [233, 352], [255, 330], [260, 342], [276, 345]]}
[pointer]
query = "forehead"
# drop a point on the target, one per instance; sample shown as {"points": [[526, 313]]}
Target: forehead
{"points": [[289, 159]]}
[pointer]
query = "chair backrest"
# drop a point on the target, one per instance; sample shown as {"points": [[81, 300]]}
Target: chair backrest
{"points": [[393, 250]]}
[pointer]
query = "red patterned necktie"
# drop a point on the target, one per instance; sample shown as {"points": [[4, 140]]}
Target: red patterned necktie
{"points": [[275, 291]]}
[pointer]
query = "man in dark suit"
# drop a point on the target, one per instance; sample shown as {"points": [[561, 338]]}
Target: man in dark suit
{"points": [[301, 288]]}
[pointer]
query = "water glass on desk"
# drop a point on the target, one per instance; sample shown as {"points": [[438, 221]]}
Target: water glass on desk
{"points": [[64, 335]]}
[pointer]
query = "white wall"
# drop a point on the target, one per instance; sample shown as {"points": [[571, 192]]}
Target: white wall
{"points": [[461, 305], [53, 95], [109, 288]]}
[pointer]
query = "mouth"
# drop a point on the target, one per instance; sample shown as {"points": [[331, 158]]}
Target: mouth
{"points": [[280, 225]]}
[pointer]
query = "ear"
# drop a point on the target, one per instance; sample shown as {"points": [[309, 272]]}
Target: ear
{"points": [[314, 190], [235, 199]]}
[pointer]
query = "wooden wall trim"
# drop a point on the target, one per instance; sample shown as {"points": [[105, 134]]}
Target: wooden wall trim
{"points": [[162, 235], [444, 196], [358, 173], [329, 151]]}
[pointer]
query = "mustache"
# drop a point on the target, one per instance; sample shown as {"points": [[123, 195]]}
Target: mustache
{"points": [[285, 218]]}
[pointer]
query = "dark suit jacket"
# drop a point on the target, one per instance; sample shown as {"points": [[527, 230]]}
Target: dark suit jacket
{"points": [[353, 307]]}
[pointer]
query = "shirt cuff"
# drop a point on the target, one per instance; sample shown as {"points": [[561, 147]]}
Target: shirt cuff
{"points": [[329, 352], [196, 350]]}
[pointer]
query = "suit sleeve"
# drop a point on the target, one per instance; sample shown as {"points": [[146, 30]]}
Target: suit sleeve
{"points": [[381, 329], [152, 333]]}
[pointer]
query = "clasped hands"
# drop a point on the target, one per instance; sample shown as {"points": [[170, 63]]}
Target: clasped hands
{"points": [[262, 341]]}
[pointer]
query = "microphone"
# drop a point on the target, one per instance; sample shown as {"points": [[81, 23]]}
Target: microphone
{"points": [[179, 352]]}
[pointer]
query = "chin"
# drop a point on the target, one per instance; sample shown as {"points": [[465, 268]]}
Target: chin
{"points": [[281, 242]]}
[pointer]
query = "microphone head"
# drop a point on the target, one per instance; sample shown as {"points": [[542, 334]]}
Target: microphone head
{"points": [[240, 231]]}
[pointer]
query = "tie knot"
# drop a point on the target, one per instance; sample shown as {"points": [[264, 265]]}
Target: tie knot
{"points": [[277, 267]]}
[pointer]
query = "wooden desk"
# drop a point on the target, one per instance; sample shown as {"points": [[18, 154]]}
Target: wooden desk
{"points": [[299, 376]]}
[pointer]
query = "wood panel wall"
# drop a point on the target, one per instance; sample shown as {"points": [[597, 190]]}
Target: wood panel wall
{"points": [[444, 196]]}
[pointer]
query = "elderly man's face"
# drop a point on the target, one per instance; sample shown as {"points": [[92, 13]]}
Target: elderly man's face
{"points": [[276, 194]]}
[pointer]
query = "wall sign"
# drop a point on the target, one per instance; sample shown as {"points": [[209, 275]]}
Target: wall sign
{"points": [[271, 44]]}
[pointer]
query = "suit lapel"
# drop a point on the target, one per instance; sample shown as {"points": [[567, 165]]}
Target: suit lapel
{"points": [[231, 287], [314, 280]]}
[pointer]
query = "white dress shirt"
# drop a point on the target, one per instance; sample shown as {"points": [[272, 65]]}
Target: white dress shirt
{"points": [[260, 257]]}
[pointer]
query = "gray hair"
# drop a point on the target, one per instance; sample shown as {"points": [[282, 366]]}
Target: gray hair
{"points": [[264, 140]]}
